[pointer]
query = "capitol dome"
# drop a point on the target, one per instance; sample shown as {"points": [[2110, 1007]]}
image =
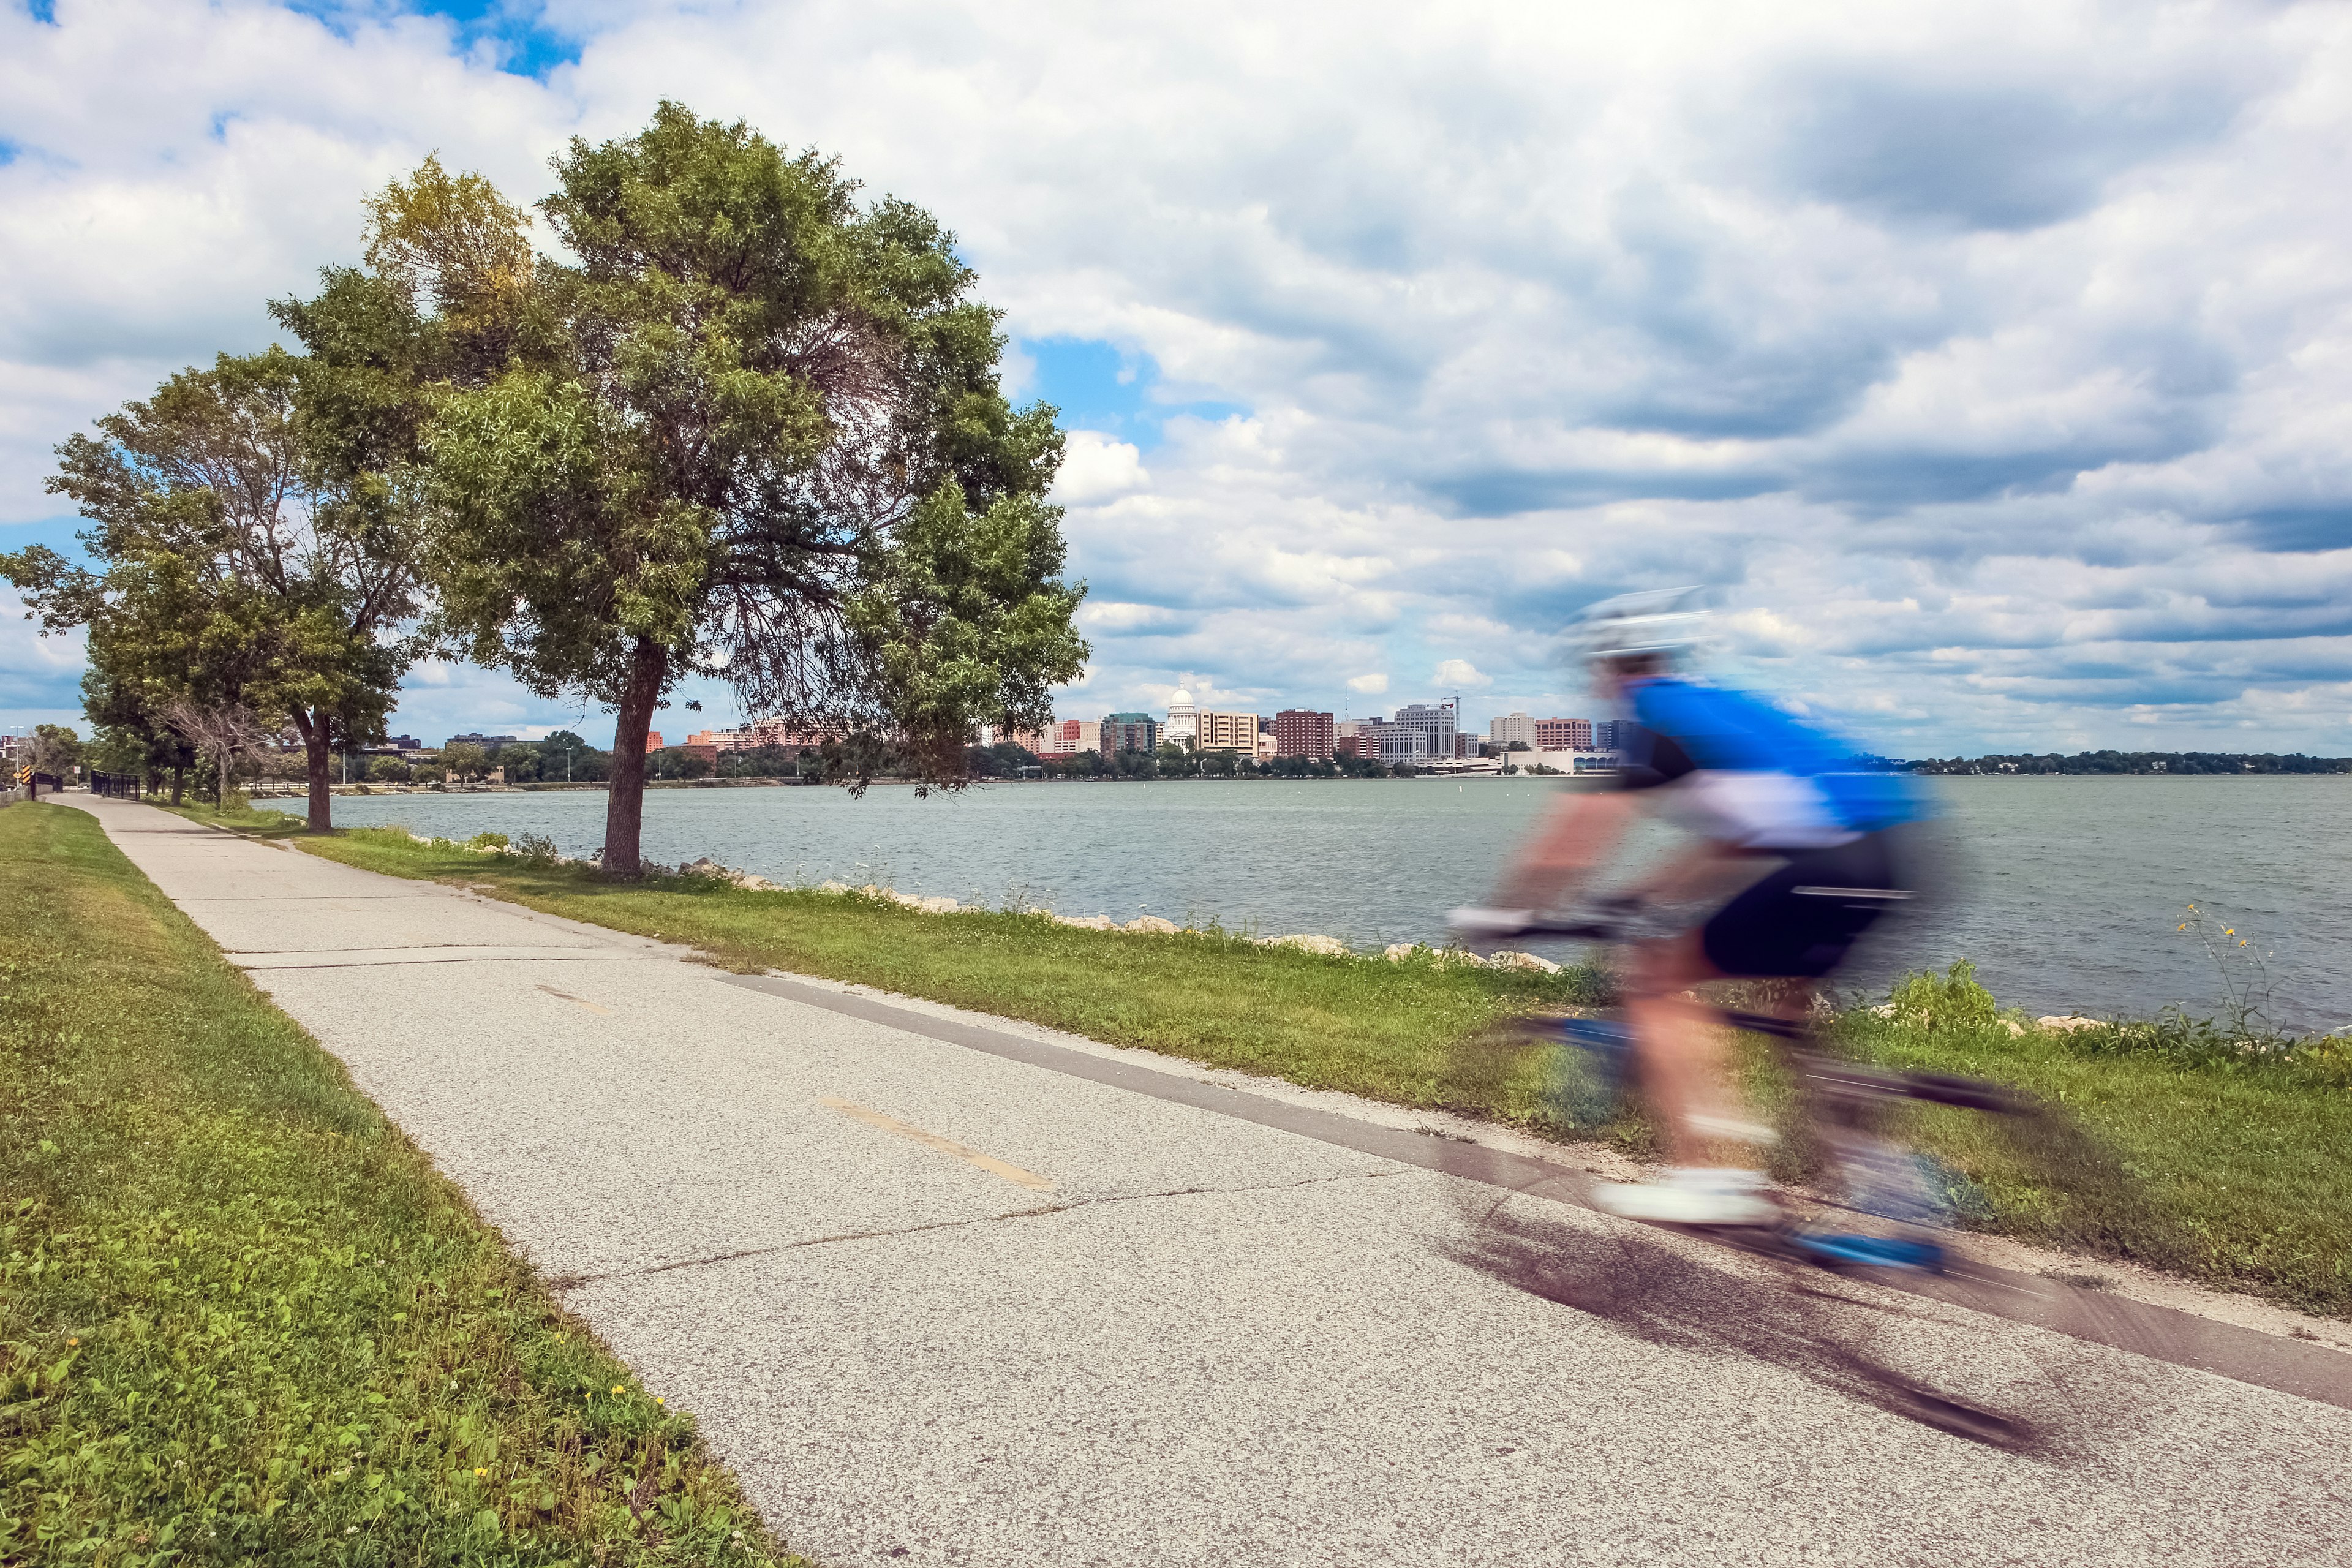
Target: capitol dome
{"points": [[1183, 699]]}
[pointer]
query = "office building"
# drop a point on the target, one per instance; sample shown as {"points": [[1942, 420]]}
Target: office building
{"points": [[1431, 726], [1300, 733], [1512, 727], [1130, 733], [1068, 737], [1226, 732], [761, 733], [1563, 734], [487, 742], [1608, 735], [1357, 738]]}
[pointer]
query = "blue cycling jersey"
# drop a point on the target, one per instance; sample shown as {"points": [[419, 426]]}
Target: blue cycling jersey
{"points": [[1752, 775]]}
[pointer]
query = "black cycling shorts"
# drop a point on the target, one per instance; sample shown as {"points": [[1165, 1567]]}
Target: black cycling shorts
{"points": [[1799, 921]]}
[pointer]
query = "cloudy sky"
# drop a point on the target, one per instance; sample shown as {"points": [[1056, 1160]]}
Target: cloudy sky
{"points": [[1994, 361]]}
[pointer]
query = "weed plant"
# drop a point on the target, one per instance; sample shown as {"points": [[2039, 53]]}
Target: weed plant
{"points": [[242, 1319]]}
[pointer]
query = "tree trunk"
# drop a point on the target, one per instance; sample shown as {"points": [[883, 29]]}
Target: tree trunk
{"points": [[179, 780], [625, 807], [314, 728]]}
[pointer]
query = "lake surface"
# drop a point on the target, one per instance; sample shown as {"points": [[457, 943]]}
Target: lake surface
{"points": [[2066, 892]]}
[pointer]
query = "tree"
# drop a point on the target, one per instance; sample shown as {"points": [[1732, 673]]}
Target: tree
{"points": [[755, 432], [243, 561], [467, 761], [565, 758], [519, 763], [221, 735]]}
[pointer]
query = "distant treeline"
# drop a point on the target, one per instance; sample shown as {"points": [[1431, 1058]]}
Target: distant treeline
{"points": [[2139, 762]]}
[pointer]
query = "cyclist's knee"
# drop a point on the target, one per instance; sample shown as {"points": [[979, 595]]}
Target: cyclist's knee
{"points": [[1675, 963]]}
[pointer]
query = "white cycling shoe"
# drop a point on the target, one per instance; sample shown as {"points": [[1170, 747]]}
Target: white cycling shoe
{"points": [[1690, 1195]]}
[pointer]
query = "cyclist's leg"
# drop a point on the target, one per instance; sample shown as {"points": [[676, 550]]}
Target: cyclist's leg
{"points": [[1679, 1041], [1678, 1045], [1796, 922]]}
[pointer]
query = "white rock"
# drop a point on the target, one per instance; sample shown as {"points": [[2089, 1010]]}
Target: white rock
{"points": [[2012, 1025], [1527, 960], [1402, 952], [1085, 922], [1328, 946], [831, 889], [2068, 1023], [753, 884], [1149, 925], [1455, 958], [939, 906]]}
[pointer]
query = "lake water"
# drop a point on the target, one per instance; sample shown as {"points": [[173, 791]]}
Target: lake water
{"points": [[2066, 892]]}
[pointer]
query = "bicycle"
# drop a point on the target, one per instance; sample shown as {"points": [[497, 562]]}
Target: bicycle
{"points": [[1842, 1107]]}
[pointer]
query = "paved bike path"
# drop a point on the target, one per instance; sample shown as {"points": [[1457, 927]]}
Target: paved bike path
{"points": [[935, 1303]]}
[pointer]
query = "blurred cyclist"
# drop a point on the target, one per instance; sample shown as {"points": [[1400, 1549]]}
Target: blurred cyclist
{"points": [[1764, 793]]}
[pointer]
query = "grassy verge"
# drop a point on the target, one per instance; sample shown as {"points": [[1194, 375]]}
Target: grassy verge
{"points": [[241, 1318], [1376, 1029], [2232, 1169], [261, 822]]}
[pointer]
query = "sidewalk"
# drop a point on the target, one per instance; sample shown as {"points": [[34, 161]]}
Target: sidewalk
{"points": [[937, 1304]]}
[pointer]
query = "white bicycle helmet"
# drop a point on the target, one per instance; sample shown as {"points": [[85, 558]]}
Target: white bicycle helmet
{"points": [[1658, 622]]}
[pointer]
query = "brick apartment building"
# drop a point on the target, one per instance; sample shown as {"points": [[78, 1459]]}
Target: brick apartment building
{"points": [[1300, 733], [1563, 734]]}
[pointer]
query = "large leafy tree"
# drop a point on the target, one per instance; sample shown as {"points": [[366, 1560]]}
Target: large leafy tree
{"points": [[244, 555], [751, 430]]}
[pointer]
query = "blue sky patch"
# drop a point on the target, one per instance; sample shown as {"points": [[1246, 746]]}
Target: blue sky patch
{"points": [[527, 45], [1099, 386]]}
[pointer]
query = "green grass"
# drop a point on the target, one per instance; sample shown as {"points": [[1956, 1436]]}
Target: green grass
{"points": [[261, 822], [2236, 1171], [241, 1318]]}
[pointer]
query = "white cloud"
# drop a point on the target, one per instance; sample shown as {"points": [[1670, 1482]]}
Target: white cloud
{"points": [[1995, 362], [1461, 672], [1095, 468]]}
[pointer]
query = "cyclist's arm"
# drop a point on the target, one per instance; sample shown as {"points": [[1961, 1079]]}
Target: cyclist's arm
{"points": [[1579, 834]]}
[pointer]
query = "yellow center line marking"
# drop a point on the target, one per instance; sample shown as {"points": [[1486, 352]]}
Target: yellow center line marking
{"points": [[989, 1163], [579, 1001]]}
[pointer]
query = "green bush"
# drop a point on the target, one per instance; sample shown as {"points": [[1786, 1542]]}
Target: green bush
{"points": [[1952, 1002]]}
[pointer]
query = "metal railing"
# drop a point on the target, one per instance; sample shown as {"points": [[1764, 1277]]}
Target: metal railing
{"points": [[119, 786]]}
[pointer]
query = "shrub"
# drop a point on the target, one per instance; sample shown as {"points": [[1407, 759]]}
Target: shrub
{"points": [[487, 841], [1951, 1001]]}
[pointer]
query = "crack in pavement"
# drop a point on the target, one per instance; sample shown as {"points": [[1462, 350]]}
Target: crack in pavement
{"points": [[573, 1281]]}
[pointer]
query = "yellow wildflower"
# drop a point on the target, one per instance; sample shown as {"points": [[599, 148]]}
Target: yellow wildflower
{"points": [[481, 1470], [616, 1388]]}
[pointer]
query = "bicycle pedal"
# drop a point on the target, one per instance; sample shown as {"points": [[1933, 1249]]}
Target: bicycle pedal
{"points": [[1871, 1251]]}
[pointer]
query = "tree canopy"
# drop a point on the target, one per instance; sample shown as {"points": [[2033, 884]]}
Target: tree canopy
{"points": [[245, 556], [752, 430]]}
